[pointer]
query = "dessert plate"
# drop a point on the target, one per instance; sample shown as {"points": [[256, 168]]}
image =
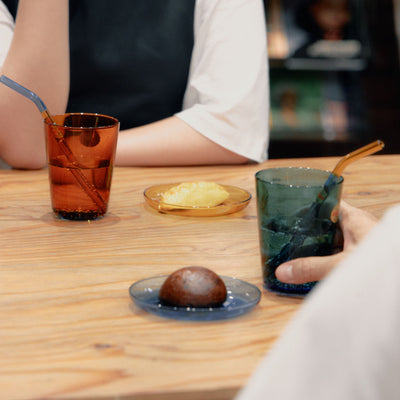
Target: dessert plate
{"points": [[237, 200], [242, 297]]}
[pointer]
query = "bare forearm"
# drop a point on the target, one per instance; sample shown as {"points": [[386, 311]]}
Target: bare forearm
{"points": [[170, 142], [38, 59]]}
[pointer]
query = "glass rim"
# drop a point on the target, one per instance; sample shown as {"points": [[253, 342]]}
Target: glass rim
{"points": [[113, 121], [271, 181]]}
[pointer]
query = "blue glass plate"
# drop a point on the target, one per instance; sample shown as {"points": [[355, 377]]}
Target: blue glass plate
{"points": [[242, 298]]}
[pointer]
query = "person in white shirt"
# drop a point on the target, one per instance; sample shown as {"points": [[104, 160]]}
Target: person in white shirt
{"points": [[223, 110], [344, 341]]}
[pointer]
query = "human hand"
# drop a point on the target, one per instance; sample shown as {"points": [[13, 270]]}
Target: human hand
{"points": [[354, 224]]}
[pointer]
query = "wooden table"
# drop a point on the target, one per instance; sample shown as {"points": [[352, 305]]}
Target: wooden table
{"points": [[68, 328]]}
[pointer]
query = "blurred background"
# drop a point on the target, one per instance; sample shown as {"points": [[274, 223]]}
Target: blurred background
{"points": [[334, 75]]}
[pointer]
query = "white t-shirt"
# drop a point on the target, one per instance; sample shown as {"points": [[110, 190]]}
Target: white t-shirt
{"points": [[344, 343], [227, 95]]}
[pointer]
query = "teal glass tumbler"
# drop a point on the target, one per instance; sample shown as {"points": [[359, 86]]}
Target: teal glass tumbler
{"points": [[297, 217]]}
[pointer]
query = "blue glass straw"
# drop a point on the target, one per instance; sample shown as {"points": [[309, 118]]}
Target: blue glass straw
{"points": [[29, 95]]}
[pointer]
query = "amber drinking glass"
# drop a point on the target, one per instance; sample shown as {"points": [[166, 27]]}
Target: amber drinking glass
{"points": [[80, 155]]}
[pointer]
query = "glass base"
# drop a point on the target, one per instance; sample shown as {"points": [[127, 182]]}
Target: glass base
{"points": [[78, 215], [274, 285]]}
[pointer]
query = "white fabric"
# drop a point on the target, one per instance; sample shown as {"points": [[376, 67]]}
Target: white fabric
{"points": [[344, 343], [227, 95], [6, 31]]}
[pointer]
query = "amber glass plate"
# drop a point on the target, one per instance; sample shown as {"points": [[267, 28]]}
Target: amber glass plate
{"points": [[237, 200]]}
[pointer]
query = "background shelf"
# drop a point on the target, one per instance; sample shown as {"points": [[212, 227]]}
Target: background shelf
{"points": [[347, 94]]}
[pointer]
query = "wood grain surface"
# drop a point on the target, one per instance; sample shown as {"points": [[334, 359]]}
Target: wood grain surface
{"points": [[68, 328]]}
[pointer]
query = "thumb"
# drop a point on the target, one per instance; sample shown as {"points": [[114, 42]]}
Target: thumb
{"points": [[307, 269]]}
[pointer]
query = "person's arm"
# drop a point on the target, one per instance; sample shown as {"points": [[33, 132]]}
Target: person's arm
{"points": [[6, 31], [170, 142], [354, 224], [38, 59], [344, 341], [225, 111]]}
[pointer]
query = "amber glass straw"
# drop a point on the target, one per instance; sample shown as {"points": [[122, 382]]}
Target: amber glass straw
{"points": [[356, 155]]}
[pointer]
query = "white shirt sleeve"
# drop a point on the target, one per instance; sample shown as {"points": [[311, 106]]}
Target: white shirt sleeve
{"points": [[344, 342], [6, 31], [227, 96]]}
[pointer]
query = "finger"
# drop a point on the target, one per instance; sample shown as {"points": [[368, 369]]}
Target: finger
{"points": [[350, 214], [307, 269], [355, 224]]}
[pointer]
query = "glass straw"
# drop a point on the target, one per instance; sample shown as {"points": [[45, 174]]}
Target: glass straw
{"points": [[356, 155]]}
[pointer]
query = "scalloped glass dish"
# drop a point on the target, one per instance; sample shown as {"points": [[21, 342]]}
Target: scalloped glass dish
{"points": [[242, 298], [237, 200]]}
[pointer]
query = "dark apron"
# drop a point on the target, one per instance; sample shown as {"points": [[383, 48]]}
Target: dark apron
{"points": [[129, 58]]}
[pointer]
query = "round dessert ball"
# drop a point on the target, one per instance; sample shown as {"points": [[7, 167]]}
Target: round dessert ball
{"points": [[193, 287]]}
